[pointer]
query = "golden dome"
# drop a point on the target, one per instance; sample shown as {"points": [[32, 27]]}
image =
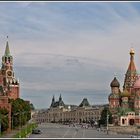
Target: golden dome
{"points": [[125, 93], [132, 51]]}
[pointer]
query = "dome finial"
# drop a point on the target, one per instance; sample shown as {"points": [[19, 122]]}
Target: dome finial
{"points": [[132, 49]]}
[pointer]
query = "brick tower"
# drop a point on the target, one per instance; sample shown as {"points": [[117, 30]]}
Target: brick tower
{"points": [[7, 77]]}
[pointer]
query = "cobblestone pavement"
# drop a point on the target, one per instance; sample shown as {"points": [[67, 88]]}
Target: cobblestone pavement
{"points": [[65, 131]]}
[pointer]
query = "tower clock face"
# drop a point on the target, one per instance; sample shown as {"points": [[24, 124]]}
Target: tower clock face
{"points": [[9, 73]]}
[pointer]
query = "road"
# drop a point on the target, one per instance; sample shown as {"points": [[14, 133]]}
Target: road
{"points": [[65, 131]]}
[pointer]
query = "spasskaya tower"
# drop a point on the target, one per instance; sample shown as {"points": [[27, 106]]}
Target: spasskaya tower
{"points": [[7, 77]]}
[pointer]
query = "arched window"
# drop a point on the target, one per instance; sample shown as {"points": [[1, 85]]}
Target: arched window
{"points": [[5, 59], [123, 121], [9, 59]]}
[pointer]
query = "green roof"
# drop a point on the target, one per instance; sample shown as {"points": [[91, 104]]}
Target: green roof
{"points": [[7, 50], [84, 103], [123, 111]]}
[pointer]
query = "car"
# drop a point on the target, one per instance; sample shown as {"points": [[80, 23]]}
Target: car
{"points": [[36, 131], [134, 136]]}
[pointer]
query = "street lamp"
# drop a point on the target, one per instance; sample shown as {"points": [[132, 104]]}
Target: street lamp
{"points": [[20, 124], [0, 123], [107, 122]]}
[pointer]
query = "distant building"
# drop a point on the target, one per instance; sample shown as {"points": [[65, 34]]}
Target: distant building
{"points": [[125, 105], [59, 112]]}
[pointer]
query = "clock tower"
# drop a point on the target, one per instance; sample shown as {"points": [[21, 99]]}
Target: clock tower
{"points": [[7, 77]]}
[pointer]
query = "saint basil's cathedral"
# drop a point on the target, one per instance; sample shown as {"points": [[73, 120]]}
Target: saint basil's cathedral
{"points": [[125, 105]]}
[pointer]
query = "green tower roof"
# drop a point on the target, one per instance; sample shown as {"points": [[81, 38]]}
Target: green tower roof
{"points": [[84, 103], [7, 50]]}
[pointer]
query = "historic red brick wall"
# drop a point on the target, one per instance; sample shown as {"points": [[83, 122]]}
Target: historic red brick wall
{"points": [[14, 92]]}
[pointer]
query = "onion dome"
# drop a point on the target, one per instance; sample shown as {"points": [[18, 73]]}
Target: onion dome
{"points": [[115, 83], [137, 83], [125, 93]]}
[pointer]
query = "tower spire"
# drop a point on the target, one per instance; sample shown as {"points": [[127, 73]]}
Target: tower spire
{"points": [[53, 99], [131, 74], [7, 59], [132, 67], [7, 50], [60, 98]]}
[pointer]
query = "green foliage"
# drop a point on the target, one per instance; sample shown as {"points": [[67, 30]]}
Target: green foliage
{"points": [[21, 112], [4, 119], [103, 119], [32, 106], [25, 131]]}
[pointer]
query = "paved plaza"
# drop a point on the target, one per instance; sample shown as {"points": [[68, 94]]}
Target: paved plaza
{"points": [[50, 130]]}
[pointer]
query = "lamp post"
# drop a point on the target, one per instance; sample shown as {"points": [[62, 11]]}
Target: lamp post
{"points": [[107, 122], [0, 123], [137, 126], [137, 131], [25, 123], [20, 124]]}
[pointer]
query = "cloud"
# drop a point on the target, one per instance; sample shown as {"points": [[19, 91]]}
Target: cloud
{"points": [[70, 46]]}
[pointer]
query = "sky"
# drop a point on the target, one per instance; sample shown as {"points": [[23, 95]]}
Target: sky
{"points": [[70, 48]]}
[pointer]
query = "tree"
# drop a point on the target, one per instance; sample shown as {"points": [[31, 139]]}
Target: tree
{"points": [[103, 119], [32, 106], [21, 112], [4, 119]]}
